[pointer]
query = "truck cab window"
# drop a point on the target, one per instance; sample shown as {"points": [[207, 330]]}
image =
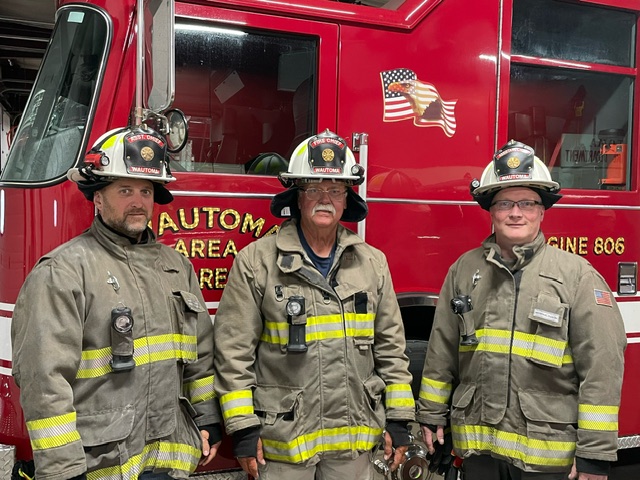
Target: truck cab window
{"points": [[55, 118], [571, 90], [249, 97]]}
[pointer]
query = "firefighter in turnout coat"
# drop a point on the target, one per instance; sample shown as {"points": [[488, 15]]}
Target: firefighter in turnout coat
{"points": [[112, 343], [526, 354], [311, 364]]}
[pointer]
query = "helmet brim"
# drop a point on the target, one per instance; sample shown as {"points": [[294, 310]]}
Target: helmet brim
{"points": [[547, 198], [355, 211], [161, 195]]}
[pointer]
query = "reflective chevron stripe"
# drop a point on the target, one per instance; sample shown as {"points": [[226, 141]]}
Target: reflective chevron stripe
{"points": [[434, 390], [531, 451], [95, 363], [543, 349], [399, 396], [598, 417], [155, 455], [327, 440], [53, 431], [200, 390], [237, 403], [323, 327]]}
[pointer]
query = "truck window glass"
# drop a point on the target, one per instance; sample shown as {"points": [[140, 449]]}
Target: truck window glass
{"points": [[159, 54], [249, 97], [50, 134], [578, 116]]}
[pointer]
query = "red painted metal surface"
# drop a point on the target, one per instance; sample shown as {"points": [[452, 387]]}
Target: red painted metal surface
{"points": [[421, 213]]}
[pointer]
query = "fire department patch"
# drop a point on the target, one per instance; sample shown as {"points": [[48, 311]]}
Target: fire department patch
{"points": [[602, 297]]}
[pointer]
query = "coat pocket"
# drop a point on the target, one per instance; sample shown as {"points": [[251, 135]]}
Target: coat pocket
{"points": [[550, 319], [105, 427], [549, 416], [280, 410], [461, 404], [374, 390], [102, 432], [185, 308]]}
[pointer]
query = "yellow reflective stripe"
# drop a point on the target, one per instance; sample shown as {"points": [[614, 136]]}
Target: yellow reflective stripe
{"points": [[275, 332], [598, 417], [490, 340], [434, 390], [553, 352], [236, 403], [323, 327], [399, 395], [158, 348], [531, 451], [200, 390], [359, 324], [157, 454], [304, 447], [53, 432]]}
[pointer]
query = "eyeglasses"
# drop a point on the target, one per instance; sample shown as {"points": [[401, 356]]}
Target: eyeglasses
{"points": [[314, 193], [507, 205]]}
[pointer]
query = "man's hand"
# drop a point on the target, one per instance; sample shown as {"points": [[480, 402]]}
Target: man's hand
{"points": [[575, 475], [208, 451], [398, 455], [250, 464], [429, 438]]}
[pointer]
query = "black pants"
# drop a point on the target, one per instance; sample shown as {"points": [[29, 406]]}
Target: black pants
{"points": [[484, 467]]}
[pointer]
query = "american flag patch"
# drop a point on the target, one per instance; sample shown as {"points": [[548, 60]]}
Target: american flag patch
{"points": [[602, 297]]}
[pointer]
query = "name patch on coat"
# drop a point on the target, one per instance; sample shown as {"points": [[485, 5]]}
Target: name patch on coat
{"points": [[548, 316]]}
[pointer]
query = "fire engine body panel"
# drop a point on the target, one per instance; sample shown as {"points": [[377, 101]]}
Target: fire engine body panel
{"points": [[424, 91]]}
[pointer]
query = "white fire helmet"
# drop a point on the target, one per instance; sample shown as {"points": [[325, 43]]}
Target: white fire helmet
{"points": [[321, 157], [325, 156], [130, 152], [515, 165]]}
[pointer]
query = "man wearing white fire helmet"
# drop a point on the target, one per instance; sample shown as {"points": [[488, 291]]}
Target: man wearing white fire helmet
{"points": [[310, 365], [112, 342], [525, 358]]}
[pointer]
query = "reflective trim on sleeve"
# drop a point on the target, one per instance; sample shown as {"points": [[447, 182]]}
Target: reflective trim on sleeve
{"points": [[236, 403], [159, 454], [200, 390], [53, 431], [598, 417], [96, 363], [434, 390], [399, 396], [304, 447], [531, 451]]}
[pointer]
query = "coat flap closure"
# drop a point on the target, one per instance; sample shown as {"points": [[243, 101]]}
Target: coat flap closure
{"points": [[104, 427], [346, 290], [547, 407], [463, 395], [374, 386], [275, 398], [191, 301]]}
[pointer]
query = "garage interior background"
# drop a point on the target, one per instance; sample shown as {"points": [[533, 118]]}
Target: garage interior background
{"points": [[25, 29]]}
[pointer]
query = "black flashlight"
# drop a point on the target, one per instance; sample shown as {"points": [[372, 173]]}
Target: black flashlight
{"points": [[122, 339], [297, 319]]}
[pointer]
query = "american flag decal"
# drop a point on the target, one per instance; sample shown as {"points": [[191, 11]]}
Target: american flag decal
{"points": [[406, 97], [602, 297]]}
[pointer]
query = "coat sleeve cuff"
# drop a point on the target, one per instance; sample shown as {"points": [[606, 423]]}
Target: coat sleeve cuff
{"points": [[592, 466]]}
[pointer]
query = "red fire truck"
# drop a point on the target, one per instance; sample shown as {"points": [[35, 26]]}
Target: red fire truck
{"points": [[424, 90]]}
